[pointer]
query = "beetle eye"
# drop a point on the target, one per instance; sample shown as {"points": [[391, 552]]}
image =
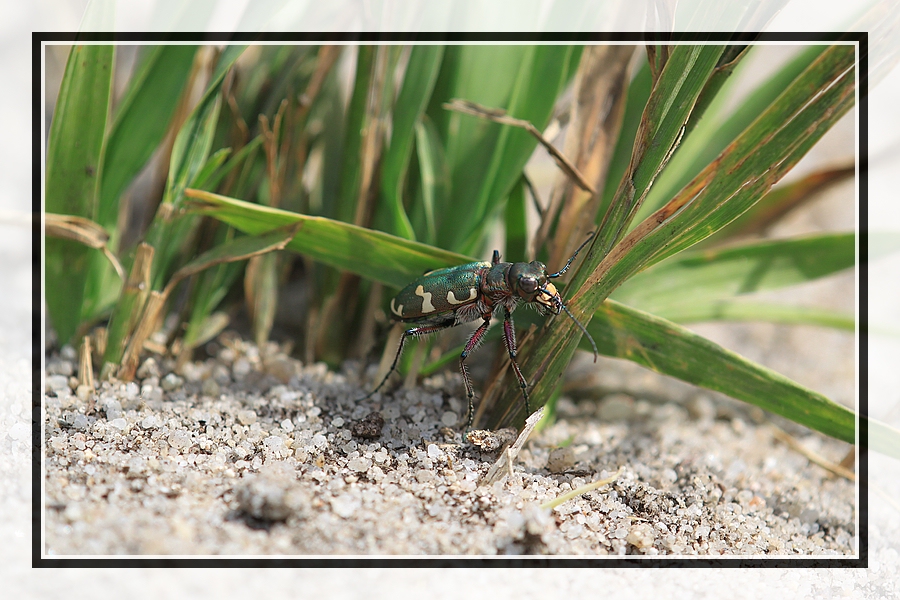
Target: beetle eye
{"points": [[528, 285]]}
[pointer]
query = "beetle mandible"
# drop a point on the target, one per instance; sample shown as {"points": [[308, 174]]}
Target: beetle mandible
{"points": [[444, 298]]}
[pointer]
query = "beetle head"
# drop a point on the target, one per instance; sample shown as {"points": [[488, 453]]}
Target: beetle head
{"points": [[526, 280]]}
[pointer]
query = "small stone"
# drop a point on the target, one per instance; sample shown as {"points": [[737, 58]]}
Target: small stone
{"points": [[269, 498], [210, 388], [337, 422], [369, 427], [287, 425], [246, 417], [434, 451], [56, 383], [281, 367], [273, 443], [241, 369], [80, 421], [150, 422], [640, 536], [344, 506], [360, 465], [561, 459], [180, 439], [112, 407], [449, 418], [130, 390], [83, 392], [60, 367], [118, 423], [424, 475], [148, 369], [171, 382], [151, 394]]}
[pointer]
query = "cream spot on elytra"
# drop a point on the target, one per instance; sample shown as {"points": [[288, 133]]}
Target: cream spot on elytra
{"points": [[398, 309], [451, 297], [427, 306]]}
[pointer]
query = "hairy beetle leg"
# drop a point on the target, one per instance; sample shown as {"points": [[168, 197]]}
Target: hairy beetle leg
{"points": [[473, 342], [509, 336], [415, 331]]}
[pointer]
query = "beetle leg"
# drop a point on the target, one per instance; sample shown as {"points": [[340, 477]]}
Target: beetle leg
{"points": [[415, 331], [474, 339], [509, 336]]}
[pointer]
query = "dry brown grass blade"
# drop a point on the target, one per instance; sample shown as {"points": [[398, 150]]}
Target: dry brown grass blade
{"points": [[813, 457], [500, 116], [601, 87], [84, 231], [504, 464]]}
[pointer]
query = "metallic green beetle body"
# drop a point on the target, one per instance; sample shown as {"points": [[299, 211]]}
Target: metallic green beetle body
{"points": [[444, 298], [428, 299]]}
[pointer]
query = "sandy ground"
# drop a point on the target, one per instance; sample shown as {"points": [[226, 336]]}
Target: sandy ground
{"points": [[250, 455]]}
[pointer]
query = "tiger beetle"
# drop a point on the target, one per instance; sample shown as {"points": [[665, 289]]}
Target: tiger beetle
{"points": [[444, 298]]}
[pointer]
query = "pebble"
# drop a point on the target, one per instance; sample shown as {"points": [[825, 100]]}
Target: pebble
{"points": [[246, 417], [281, 367], [345, 506], [561, 459], [180, 439], [360, 465], [240, 369], [268, 498], [61, 367], [172, 382], [149, 368], [55, 383], [210, 388]]}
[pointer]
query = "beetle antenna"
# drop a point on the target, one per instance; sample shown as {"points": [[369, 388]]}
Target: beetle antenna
{"points": [[577, 322], [583, 330], [566, 268]]}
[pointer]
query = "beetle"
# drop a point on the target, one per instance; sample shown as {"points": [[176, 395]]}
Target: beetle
{"points": [[448, 297]]}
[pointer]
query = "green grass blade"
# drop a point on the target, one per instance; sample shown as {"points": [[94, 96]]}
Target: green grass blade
{"points": [[486, 159], [712, 134], [750, 165], [670, 105], [418, 83], [638, 94], [434, 179], [170, 232], [351, 166], [74, 169], [141, 121], [372, 254], [741, 175], [664, 347], [516, 223], [743, 310], [701, 277]]}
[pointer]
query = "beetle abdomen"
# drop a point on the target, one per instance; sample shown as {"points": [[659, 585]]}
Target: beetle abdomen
{"points": [[439, 291]]}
